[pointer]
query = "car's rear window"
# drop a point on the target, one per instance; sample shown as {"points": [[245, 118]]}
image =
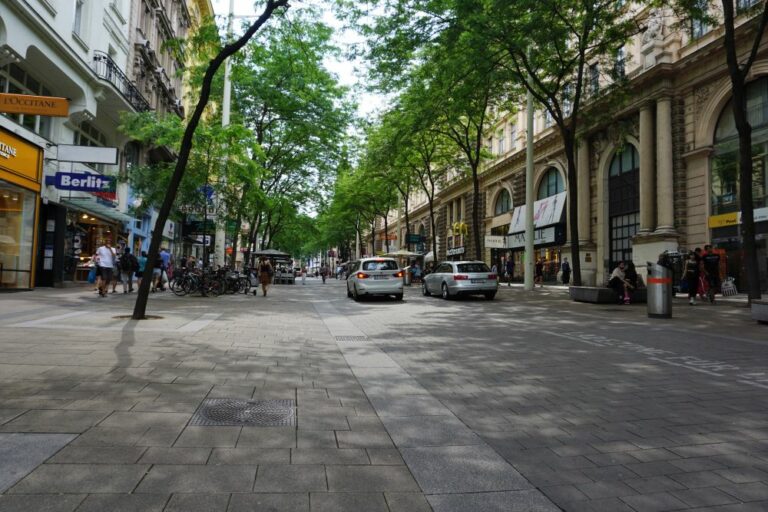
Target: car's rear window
{"points": [[473, 267], [379, 265]]}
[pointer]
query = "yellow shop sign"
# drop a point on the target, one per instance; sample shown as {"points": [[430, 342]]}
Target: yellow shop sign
{"points": [[723, 220], [20, 161]]}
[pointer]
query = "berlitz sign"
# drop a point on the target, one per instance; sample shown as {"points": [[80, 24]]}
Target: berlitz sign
{"points": [[34, 105], [83, 182]]}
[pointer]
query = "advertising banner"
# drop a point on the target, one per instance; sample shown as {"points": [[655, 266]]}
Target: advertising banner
{"points": [[83, 182], [546, 212]]}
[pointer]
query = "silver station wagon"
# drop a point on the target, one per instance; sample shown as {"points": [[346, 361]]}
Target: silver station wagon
{"points": [[454, 278], [375, 276]]}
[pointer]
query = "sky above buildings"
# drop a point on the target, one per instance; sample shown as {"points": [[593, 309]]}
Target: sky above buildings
{"points": [[349, 73]]}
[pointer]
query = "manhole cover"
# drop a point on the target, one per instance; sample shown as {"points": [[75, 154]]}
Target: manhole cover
{"points": [[232, 412], [351, 338]]}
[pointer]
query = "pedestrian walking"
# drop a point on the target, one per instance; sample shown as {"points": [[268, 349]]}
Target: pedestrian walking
{"points": [[510, 270], [265, 275], [128, 265], [106, 265], [324, 272], [142, 262], [303, 275], [538, 274], [691, 275], [565, 268], [157, 274]]}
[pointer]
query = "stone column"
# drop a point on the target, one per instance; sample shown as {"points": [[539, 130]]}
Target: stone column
{"points": [[665, 179], [585, 208], [647, 170]]}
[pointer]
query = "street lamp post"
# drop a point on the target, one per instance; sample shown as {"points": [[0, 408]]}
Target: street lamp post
{"points": [[529, 228]]}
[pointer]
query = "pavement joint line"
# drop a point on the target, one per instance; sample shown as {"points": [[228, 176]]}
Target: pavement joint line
{"points": [[49, 319], [191, 327], [421, 473]]}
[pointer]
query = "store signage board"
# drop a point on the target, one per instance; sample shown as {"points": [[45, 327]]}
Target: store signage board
{"points": [[734, 218], [540, 237], [546, 212], [455, 251], [496, 242], [83, 182], [87, 154], [49, 106]]}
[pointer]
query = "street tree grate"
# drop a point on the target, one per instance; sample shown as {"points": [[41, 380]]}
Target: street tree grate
{"points": [[351, 338], [232, 412]]}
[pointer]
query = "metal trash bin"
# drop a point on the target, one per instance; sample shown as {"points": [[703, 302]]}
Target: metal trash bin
{"points": [[659, 291]]}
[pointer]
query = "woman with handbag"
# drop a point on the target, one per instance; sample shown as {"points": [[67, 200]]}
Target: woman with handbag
{"points": [[265, 275]]}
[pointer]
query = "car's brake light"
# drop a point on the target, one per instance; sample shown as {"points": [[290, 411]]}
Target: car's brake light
{"points": [[362, 275], [460, 277], [399, 274], [491, 276]]}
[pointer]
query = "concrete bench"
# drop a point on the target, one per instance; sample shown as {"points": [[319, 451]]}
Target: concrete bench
{"points": [[760, 311], [603, 294]]}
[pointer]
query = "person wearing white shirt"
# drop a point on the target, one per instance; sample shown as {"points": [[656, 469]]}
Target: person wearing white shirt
{"points": [[107, 264]]}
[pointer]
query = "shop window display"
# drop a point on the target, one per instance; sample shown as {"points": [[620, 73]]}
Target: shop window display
{"points": [[17, 228]]}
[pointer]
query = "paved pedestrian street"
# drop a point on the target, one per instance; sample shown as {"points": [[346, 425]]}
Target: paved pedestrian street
{"points": [[526, 403]]}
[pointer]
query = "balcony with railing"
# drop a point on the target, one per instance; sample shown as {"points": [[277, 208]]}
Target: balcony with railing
{"points": [[106, 69]]}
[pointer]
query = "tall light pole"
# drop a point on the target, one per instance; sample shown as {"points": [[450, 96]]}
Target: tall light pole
{"points": [[529, 231], [221, 233]]}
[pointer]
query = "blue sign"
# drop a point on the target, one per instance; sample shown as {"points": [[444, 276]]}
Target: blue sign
{"points": [[83, 182]]}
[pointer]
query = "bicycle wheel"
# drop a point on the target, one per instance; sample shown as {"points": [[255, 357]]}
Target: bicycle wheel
{"points": [[245, 285], [214, 287], [177, 287]]}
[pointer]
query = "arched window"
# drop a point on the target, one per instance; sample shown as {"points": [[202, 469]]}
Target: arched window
{"points": [[551, 183], [623, 203], [724, 189], [503, 203]]}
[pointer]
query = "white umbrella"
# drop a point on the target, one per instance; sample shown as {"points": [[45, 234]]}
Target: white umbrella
{"points": [[403, 253]]}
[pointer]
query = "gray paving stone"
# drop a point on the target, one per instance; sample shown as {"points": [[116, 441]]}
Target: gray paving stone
{"points": [[291, 478], [363, 439], [198, 503], [81, 478], [124, 503], [756, 491], [98, 455], [347, 502], [460, 469], [40, 502], [370, 479], [102, 436], [411, 431], [603, 489], [137, 419], [272, 437], [209, 437], [316, 439], [407, 502], [198, 479], [58, 421], [293, 502], [385, 457], [510, 501], [704, 497], [414, 405], [250, 456], [656, 502], [21, 453], [165, 455], [329, 456], [365, 423]]}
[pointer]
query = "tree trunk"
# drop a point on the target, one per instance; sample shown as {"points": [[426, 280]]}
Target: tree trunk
{"points": [[140, 308], [433, 227], [476, 214], [407, 222], [386, 232], [573, 205]]}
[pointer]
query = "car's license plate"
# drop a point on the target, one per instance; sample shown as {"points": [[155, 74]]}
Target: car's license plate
{"points": [[377, 278], [478, 281]]}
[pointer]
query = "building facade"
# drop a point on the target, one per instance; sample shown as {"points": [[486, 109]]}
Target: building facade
{"points": [[660, 174]]}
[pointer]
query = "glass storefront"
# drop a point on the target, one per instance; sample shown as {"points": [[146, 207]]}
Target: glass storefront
{"points": [[17, 232], [85, 233]]}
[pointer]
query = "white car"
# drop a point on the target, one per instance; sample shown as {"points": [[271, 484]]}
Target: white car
{"points": [[454, 278], [375, 276]]}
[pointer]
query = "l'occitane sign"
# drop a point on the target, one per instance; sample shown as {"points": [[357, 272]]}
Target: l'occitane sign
{"points": [[34, 105]]}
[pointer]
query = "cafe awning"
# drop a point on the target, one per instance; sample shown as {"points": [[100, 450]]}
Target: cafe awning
{"points": [[93, 207]]}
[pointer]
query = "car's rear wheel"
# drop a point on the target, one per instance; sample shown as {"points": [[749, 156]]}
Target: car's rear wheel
{"points": [[424, 289], [349, 293], [444, 292], [398, 296], [355, 295], [489, 295]]}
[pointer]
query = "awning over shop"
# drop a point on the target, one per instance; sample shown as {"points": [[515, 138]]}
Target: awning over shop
{"points": [[546, 212], [93, 207]]}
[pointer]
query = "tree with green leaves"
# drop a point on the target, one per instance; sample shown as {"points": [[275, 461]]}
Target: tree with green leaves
{"points": [[185, 148]]}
